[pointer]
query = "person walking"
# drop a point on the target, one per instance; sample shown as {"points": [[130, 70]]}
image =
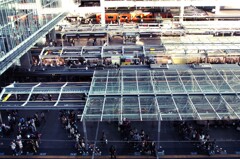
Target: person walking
{"points": [[20, 146], [43, 117], [112, 151], [104, 138], [13, 147]]}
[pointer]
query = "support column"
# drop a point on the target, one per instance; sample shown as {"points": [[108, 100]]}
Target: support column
{"points": [[181, 13], [102, 12], [107, 40], [158, 137], [26, 61], [52, 35], [39, 12], [103, 20], [159, 131], [1, 117], [62, 40], [85, 132], [217, 11], [95, 141]]}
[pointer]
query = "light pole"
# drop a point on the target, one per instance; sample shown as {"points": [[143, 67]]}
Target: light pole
{"points": [[62, 39]]}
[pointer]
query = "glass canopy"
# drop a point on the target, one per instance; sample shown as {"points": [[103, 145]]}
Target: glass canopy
{"points": [[57, 95], [163, 95]]}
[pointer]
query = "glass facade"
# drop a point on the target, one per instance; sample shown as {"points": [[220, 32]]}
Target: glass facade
{"points": [[18, 21]]}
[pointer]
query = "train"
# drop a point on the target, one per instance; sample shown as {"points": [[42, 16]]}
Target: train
{"points": [[133, 17]]}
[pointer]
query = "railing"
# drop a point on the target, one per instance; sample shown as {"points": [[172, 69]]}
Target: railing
{"points": [[20, 50]]}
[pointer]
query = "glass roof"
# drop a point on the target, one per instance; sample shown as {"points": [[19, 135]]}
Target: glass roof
{"points": [[203, 42], [55, 95], [163, 95]]}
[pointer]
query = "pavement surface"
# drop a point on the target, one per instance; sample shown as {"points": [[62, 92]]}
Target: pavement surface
{"points": [[55, 140]]}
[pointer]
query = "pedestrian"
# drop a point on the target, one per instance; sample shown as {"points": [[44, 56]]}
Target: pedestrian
{"points": [[104, 138], [43, 117], [13, 147], [153, 148], [20, 145], [94, 41], [49, 97], [36, 116], [112, 151]]}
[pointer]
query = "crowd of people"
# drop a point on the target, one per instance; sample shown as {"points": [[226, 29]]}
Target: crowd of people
{"points": [[27, 137], [199, 136], [69, 121], [139, 140]]}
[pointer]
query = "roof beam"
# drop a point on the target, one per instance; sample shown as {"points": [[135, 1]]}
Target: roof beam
{"points": [[82, 50], [235, 75], [4, 89], [60, 93], [176, 107], [103, 107], [193, 107], [106, 84], [157, 108], [236, 95], [196, 81], [121, 109], [123, 52], [229, 106], [167, 82], [3, 92], [92, 27], [212, 107], [136, 81], [225, 80], [85, 110], [144, 51], [92, 83], [140, 110], [180, 79], [210, 80], [41, 55], [61, 51], [29, 96], [151, 76]]}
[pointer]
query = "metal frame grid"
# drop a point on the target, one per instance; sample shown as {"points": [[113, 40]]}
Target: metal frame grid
{"points": [[189, 43], [168, 28], [163, 95], [201, 39], [101, 51], [34, 95], [212, 25], [125, 28]]}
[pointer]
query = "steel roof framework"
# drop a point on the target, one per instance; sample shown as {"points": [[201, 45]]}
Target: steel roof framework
{"points": [[207, 43], [35, 95], [163, 95], [101, 51], [165, 28], [167, 49]]}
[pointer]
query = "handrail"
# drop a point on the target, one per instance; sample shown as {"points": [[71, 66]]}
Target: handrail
{"points": [[21, 49]]}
